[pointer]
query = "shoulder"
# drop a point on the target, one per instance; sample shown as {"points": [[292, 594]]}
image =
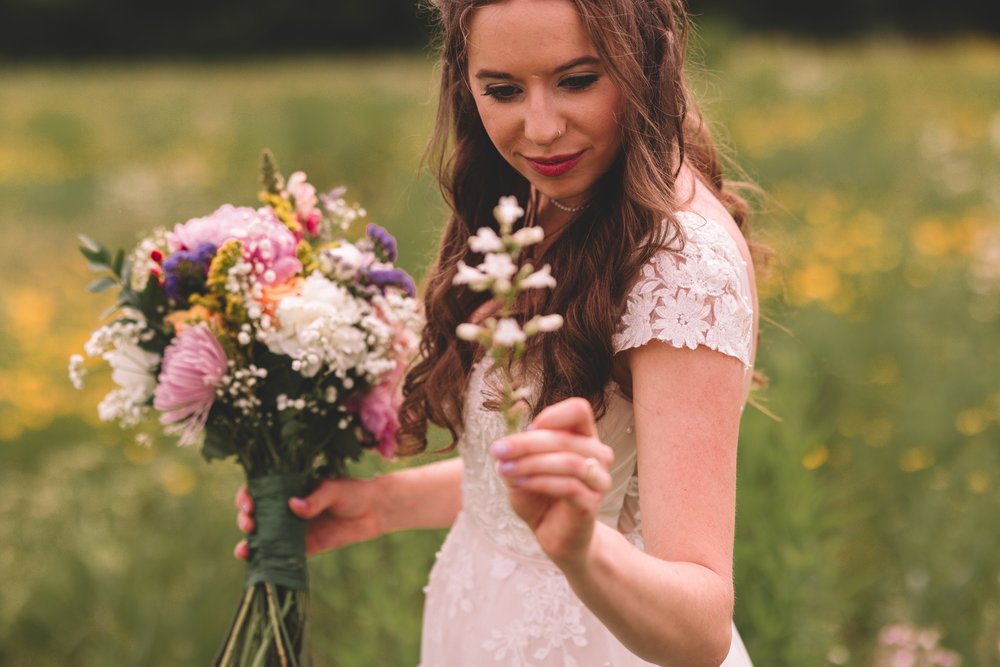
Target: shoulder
{"points": [[697, 295]]}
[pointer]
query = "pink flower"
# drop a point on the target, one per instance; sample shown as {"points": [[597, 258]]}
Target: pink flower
{"points": [[304, 196], [302, 191], [380, 412], [268, 245], [225, 223], [271, 250], [193, 367]]}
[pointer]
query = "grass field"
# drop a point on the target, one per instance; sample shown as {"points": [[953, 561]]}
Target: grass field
{"points": [[867, 497]]}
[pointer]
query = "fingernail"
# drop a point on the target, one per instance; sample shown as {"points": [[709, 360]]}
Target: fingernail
{"points": [[298, 503], [507, 467], [500, 448], [519, 481], [245, 506], [531, 427]]}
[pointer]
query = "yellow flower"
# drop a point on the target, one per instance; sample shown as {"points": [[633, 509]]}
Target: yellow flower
{"points": [[932, 238], [816, 457], [916, 459], [971, 422], [816, 282]]}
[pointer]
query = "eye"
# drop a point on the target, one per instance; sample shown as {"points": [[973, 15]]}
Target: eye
{"points": [[501, 92], [579, 81]]}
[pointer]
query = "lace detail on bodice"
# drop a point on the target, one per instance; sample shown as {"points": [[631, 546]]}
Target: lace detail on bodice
{"points": [[699, 295], [484, 495]]}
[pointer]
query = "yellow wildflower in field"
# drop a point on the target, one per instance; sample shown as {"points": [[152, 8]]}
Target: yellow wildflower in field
{"points": [[816, 457], [916, 459]]}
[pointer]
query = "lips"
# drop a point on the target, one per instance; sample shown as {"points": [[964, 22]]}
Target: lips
{"points": [[555, 165]]}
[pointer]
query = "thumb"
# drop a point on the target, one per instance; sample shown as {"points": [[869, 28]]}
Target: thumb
{"points": [[325, 496]]}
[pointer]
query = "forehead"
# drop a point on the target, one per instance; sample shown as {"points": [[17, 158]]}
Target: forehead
{"points": [[522, 36]]}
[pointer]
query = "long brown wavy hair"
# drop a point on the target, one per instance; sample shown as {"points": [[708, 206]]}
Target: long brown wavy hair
{"points": [[597, 259]]}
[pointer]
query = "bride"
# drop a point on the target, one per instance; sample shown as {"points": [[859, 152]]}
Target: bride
{"points": [[579, 108]]}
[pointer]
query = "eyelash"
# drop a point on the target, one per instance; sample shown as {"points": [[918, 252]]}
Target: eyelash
{"points": [[506, 92]]}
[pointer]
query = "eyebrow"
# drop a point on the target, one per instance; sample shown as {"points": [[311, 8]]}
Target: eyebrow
{"points": [[583, 60]]}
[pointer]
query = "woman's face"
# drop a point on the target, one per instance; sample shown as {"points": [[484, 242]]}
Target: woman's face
{"points": [[544, 96]]}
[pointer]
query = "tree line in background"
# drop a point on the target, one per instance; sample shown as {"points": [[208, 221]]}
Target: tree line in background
{"points": [[118, 28]]}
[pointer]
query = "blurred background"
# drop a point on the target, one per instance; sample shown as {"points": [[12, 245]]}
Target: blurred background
{"points": [[869, 482]]}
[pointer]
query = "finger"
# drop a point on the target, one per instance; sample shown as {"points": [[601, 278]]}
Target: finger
{"points": [[570, 489], [573, 414], [325, 496], [243, 500], [588, 470], [540, 441], [244, 522], [242, 550]]}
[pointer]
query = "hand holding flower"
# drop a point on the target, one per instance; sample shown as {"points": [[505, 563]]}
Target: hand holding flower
{"points": [[557, 475]]}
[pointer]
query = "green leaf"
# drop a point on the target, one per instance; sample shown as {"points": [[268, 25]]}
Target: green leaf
{"points": [[102, 284], [291, 429], [94, 251], [218, 444], [116, 265], [152, 301]]}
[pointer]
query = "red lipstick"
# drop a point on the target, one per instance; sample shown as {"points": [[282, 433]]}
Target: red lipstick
{"points": [[556, 165]]}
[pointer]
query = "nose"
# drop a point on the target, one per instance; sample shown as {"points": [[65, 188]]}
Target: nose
{"points": [[543, 122]]}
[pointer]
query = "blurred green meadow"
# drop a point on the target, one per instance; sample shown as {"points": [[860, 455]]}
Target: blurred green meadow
{"points": [[868, 482]]}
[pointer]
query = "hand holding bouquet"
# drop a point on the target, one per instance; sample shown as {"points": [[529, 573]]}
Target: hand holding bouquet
{"points": [[263, 334]]}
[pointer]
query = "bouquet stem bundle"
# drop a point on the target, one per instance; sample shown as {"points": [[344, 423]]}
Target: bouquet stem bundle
{"points": [[270, 625]]}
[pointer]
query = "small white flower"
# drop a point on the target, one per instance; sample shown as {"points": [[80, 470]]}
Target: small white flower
{"points": [[485, 240], [341, 262], [469, 332], [508, 333], [548, 323], [498, 266], [543, 324], [76, 370], [472, 277], [243, 338], [539, 279], [528, 236], [507, 212]]}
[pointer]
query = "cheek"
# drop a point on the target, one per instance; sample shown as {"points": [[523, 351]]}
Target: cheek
{"points": [[497, 125]]}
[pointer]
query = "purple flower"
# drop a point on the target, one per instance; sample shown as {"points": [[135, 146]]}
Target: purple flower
{"points": [[193, 367], [383, 241], [383, 278], [185, 271]]}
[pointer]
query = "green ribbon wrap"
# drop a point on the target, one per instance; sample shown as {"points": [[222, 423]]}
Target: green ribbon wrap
{"points": [[278, 541]]}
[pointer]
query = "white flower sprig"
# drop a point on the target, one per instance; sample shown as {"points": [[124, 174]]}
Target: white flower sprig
{"points": [[502, 336]]}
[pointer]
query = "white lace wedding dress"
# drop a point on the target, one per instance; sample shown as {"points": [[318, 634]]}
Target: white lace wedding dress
{"points": [[493, 597]]}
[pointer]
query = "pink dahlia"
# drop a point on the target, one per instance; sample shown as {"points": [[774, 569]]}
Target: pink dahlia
{"points": [[193, 367]]}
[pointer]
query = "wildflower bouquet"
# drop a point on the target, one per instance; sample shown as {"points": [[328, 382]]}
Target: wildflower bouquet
{"points": [[264, 335]]}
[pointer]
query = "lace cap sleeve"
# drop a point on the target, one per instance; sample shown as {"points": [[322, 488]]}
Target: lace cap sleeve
{"points": [[696, 296]]}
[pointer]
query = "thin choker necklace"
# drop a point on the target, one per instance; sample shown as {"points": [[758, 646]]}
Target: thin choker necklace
{"points": [[568, 209]]}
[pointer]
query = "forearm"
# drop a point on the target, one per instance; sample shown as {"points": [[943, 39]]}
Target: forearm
{"points": [[668, 613], [427, 496]]}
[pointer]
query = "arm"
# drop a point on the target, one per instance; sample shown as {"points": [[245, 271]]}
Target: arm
{"points": [[673, 603], [428, 496], [346, 511]]}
